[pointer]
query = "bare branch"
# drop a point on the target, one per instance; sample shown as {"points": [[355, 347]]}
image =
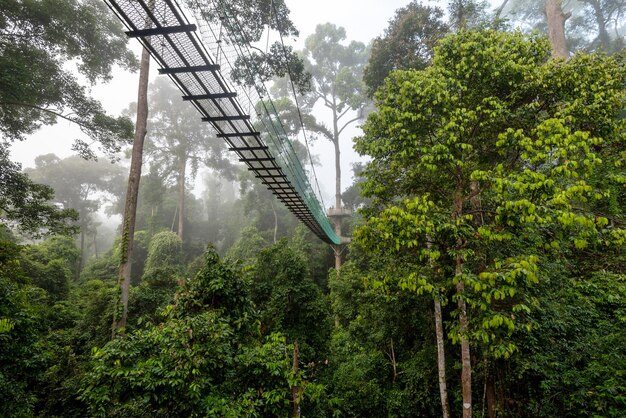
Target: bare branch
{"points": [[343, 113], [359, 116], [52, 112]]}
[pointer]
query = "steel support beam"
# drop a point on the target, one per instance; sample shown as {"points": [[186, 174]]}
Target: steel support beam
{"points": [[211, 96], [163, 30], [190, 69]]}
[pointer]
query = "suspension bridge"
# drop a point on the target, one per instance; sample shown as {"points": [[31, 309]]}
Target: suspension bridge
{"points": [[199, 58]]}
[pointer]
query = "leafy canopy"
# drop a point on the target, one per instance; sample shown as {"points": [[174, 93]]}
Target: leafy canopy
{"points": [[38, 41], [26, 205], [491, 154], [407, 43]]}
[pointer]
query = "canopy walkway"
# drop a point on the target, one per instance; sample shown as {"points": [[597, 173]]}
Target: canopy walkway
{"points": [[199, 58]]}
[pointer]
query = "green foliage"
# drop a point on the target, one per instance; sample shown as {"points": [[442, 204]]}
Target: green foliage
{"points": [[336, 70], [247, 246], [26, 205], [51, 265], [39, 39], [469, 129], [204, 358], [104, 268], [6, 325], [382, 349], [259, 16], [58, 248], [22, 315], [159, 369], [357, 379], [165, 260], [494, 168], [79, 184], [591, 25], [488, 166], [407, 43], [162, 272], [289, 301], [316, 253], [573, 363]]}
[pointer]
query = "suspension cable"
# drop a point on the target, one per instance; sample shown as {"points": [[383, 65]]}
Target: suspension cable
{"points": [[295, 98]]}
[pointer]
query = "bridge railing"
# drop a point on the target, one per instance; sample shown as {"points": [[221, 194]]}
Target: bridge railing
{"points": [[199, 56]]}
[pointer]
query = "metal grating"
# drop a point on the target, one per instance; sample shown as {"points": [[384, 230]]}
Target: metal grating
{"points": [[200, 65]]}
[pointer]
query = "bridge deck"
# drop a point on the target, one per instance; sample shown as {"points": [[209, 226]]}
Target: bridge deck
{"points": [[162, 28]]}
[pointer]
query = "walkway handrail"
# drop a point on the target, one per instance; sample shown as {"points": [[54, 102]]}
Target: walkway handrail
{"points": [[199, 65]]}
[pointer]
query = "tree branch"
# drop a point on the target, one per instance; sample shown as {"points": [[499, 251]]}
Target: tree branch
{"points": [[359, 116], [52, 112], [343, 113], [499, 10]]}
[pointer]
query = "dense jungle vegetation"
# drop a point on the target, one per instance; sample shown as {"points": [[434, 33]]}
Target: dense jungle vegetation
{"points": [[486, 275]]}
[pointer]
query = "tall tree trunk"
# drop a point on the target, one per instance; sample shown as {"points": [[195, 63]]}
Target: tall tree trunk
{"points": [[394, 363], [95, 242], [81, 259], [130, 207], [174, 218], [337, 248], [337, 174], [499, 11], [603, 35], [296, 391], [275, 221], [441, 361], [466, 364], [556, 28], [181, 198], [80, 262], [490, 394], [441, 354]]}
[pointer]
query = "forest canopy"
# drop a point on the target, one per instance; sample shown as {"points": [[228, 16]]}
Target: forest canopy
{"points": [[486, 273]]}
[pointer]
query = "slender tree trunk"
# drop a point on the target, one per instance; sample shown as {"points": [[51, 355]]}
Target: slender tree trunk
{"points": [[466, 364], [275, 222], [81, 260], [394, 363], [81, 256], [296, 390], [95, 242], [174, 218], [337, 248], [556, 28], [181, 198], [338, 174], [490, 394], [441, 361], [441, 354], [603, 34], [130, 207], [499, 10]]}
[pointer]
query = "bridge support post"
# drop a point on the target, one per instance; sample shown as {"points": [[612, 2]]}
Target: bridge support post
{"points": [[337, 215]]}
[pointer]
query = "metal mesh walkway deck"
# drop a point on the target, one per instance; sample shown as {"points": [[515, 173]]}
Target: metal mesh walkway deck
{"points": [[259, 140]]}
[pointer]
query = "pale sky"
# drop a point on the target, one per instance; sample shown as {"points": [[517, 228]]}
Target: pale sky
{"points": [[362, 19]]}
